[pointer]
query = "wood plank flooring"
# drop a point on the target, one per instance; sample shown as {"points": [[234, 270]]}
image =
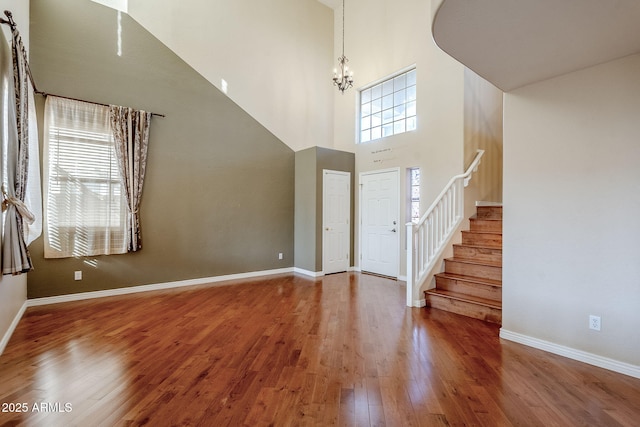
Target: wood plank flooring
{"points": [[287, 350]]}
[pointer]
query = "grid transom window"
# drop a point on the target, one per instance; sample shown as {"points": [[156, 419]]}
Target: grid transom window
{"points": [[389, 107]]}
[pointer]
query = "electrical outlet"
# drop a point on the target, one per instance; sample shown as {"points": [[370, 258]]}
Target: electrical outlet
{"points": [[280, 256], [594, 322], [77, 275]]}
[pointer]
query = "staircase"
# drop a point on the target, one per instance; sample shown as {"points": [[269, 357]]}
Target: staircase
{"points": [[471, 283]]}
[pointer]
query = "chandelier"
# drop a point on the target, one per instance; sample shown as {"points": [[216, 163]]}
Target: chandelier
{"points": [[342, 77]]}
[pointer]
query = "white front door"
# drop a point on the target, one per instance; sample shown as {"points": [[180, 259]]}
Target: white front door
{"points": [[336, 214], [380, 227]]}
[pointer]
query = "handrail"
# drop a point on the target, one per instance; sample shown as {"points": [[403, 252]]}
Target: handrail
{"points": [[427, 239], [467, 176]]}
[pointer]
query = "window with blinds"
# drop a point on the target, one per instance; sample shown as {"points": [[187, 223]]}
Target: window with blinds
{"points": [[85, 208]]}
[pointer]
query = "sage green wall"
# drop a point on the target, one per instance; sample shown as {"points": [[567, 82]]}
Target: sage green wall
{"points": [[219, 190], [305, 210], [337, 161], [308, 212]]}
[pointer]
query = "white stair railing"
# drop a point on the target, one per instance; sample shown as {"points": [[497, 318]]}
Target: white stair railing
{"points": [[427, 239]]}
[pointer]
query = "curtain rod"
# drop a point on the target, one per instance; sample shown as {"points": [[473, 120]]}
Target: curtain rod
{"points": [[10, 22], [4, 21], [14, 26], [45, 94]]}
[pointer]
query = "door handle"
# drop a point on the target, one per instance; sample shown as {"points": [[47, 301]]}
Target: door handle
{"points": [[393, 230]]}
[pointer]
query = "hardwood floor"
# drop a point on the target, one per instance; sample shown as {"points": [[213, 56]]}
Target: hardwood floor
{"points": [[287, 350]]}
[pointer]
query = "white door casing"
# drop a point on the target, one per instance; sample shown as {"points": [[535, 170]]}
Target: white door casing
{"points": [[380, 222], [336, 214]]}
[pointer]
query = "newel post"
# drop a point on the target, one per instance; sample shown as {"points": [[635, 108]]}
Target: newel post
{"points": [[410, 263]]}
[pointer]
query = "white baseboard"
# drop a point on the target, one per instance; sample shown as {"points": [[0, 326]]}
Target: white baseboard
{"points": [[419, 302], [153, 287], [12, 327], [308, 272], [402, 278], [167, 285], [319, 273], [571, 353]]}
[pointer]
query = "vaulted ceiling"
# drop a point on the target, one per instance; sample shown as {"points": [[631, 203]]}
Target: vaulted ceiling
{"points": [[512, 43]]}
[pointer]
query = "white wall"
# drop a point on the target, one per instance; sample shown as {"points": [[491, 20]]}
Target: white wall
{"points": [[13, 289], [121, 5], [20, 10], [383, 37], [253, 45], [276, 57], [572, 201]]}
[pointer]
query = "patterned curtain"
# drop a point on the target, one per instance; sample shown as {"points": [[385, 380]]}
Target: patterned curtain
{"points": [[131, 135], [15, 256]]}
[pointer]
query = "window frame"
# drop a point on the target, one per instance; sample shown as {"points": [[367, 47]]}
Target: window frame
{"points": [[86, 147], [382, 81], [410, 198]]}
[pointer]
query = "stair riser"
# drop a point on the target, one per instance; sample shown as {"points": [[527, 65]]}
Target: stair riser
{"points": [[486, 225], [481, 290], [481, 312], [483, 271], [489, 212], [492, 240], [492, 255]]}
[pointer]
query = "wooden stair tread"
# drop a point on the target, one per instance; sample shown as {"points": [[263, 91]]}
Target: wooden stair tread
{"points": [[475, 262], [475, 218], [482, 232], [467, 245], [466, 298], [473, 279]]}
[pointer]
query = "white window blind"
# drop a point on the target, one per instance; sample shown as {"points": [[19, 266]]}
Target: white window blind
{"points": [[85, 209]]}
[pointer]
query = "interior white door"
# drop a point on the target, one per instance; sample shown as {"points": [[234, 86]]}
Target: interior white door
{"points": [[336, 214], [380, 228]]}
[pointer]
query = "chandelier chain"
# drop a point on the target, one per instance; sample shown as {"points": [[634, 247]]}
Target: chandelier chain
{"points": [[342, 27], [344, 80]]}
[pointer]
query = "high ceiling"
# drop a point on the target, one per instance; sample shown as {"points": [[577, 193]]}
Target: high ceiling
{"points": [[512, 43]]}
